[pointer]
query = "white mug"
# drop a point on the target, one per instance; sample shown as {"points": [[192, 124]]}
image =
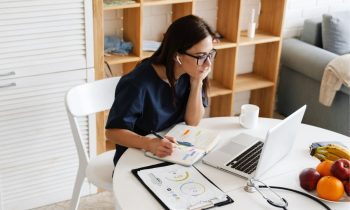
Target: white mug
{"points": [[249, 115]]}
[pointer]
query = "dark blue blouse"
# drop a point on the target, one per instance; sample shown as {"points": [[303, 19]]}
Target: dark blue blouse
{"points": [[144, 102]]}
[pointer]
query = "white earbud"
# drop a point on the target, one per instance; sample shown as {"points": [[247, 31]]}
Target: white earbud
{"points": [[178, 59]]}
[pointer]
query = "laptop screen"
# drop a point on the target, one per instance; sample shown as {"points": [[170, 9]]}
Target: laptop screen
{"points": [[279, 141]]}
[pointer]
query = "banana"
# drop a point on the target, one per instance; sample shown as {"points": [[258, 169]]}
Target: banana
{"points": [[323, 154], [331, 156], [338, 150], [319, 156], [330, 152]]}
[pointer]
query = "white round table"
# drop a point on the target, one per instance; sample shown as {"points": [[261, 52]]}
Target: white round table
{"points": [[130, 194]]}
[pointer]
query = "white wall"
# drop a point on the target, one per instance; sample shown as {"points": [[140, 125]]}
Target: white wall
{"points": [[299, 10], [157, 19]]}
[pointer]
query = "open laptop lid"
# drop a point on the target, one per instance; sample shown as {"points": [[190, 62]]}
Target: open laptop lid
{"points": [[279, 141]]}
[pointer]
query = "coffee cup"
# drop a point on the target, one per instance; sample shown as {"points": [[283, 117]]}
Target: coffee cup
{"points": [[249, 115]]}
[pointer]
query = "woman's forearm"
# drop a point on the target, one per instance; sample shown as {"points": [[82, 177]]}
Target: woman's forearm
{"points": [[194, 109], [128, 138], [124, 137]]}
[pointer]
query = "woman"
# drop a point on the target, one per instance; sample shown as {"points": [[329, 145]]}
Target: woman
{"points": [[163, 90]]}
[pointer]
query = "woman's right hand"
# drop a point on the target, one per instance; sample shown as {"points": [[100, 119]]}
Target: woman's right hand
{"points": [[162, 147]]}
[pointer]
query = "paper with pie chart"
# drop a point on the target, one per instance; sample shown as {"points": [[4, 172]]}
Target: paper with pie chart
{"points": [[181, 187]]}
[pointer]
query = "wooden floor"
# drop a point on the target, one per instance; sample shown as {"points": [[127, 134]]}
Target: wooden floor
{"points": [[100, 201]]}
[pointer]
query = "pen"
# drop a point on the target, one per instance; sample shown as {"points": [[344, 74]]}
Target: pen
{"points": [[188, 144], [161, 137]]}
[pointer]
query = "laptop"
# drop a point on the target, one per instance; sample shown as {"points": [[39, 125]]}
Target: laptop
{"points": [[249, 156]]}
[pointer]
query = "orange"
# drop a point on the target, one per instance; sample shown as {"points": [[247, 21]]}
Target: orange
{"points": [[330, 188], [324, 168]]}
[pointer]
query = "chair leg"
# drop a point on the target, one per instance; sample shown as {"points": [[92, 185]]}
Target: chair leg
{"points": [[79, 180], [117, 206]]}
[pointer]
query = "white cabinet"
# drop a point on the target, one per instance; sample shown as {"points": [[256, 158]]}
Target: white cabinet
{"points": [[46, 48], [39, 37], [38, 160]]}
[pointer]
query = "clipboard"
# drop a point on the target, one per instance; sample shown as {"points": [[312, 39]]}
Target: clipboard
{"points": [[149, 180]]}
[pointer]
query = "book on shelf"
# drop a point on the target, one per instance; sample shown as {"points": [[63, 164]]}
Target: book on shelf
{"points": [[194, 143]]}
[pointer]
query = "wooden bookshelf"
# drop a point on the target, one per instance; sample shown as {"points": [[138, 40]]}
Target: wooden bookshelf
{"points": [[250, 81], [120, 59], [259, 38]]}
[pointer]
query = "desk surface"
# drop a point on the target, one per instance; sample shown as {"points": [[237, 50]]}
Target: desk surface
{"points": [[285, 173]]}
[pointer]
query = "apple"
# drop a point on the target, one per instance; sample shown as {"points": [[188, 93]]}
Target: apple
{"points": [[347, 187], [341, 169], [308, 179]]}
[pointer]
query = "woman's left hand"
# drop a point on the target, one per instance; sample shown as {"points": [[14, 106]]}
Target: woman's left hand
{"points": [[200, 76]]}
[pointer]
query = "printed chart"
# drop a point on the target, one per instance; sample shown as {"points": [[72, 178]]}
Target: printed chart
{"points": [[180, 187]]}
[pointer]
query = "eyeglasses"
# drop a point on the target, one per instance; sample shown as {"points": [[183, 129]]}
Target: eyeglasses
{"points": [[203, 58]]}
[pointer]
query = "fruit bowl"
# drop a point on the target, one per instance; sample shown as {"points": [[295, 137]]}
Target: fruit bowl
{"points": [[344, 199], [313, 193]]}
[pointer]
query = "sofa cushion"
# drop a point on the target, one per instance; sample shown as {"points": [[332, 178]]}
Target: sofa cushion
{"points": [[307, 59], [336, 32], [312, 32]]}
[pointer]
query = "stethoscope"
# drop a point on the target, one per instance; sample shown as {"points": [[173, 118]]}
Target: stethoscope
{"points": [[254, 185]]}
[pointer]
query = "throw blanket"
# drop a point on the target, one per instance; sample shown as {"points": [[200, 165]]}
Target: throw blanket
{"points": [[336, 74]]}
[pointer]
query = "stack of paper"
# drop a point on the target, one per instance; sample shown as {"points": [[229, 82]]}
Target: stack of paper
{"points": [[117, 2]]}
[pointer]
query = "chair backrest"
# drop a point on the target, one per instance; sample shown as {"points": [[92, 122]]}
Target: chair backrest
{"points": [[91, 97], [86, 99]]}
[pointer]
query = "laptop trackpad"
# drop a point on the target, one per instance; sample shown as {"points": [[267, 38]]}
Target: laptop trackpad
{"points": [[232, 149]]}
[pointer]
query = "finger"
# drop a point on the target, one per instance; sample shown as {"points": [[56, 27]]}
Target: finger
{"points": [[206, 72], [163, 153], [165, 150], [161, 156], [167, 144], [171, 139]]}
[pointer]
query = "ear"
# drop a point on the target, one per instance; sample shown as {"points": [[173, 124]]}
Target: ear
{"points": [[178, 59]]}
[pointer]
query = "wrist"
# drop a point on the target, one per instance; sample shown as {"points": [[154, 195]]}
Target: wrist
{"points": [[196, 84], [148, 144]]}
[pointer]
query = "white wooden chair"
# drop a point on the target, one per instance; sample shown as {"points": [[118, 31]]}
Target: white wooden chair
{"points": [[84, 100]]}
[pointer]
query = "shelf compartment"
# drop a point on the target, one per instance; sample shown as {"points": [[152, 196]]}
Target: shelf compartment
{"points": [[164, 2], [224, 44], [119, 59], [260, 38], [134, 5], [146, 54], [251, 81], [217, 89]]}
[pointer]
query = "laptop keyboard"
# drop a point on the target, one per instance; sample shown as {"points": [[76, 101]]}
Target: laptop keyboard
{"points": [[248, 160]]}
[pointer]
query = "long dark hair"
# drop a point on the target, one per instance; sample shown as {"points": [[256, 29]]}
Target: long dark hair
{"points": [[181, 35]]}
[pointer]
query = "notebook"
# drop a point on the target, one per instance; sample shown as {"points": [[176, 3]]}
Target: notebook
{"points": [[201, 141], [180, 188], [248, 156]]}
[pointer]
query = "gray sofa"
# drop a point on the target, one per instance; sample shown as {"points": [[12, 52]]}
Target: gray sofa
{"points": [[302, 64]]}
